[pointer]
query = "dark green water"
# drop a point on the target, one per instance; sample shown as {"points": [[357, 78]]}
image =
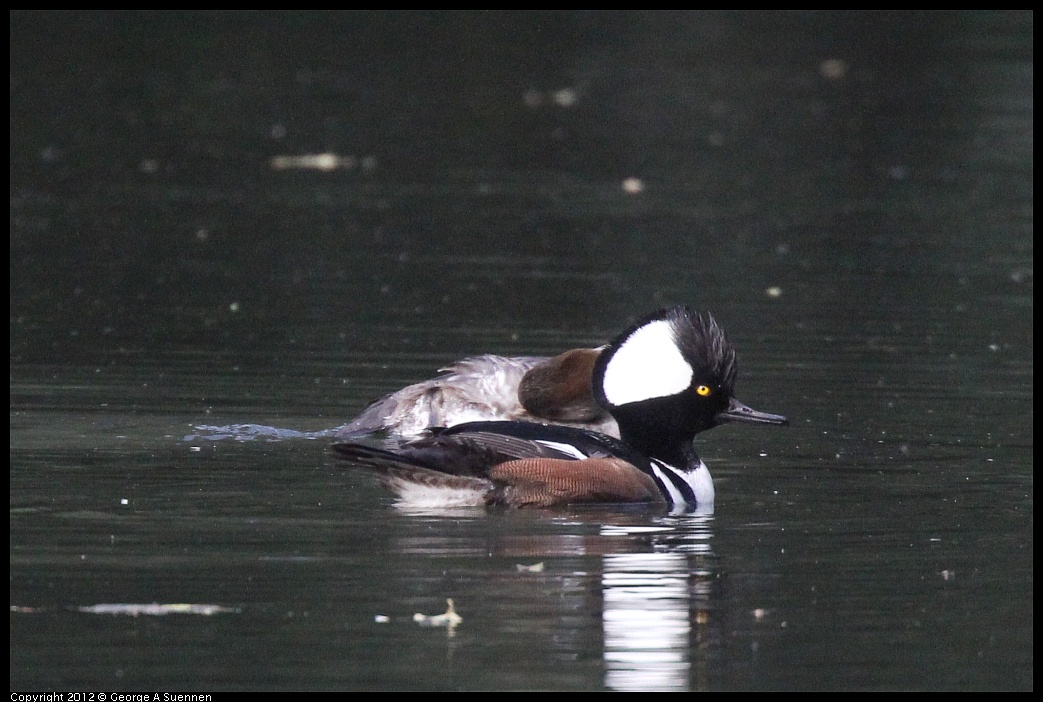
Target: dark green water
{"points": [[850, 194]]}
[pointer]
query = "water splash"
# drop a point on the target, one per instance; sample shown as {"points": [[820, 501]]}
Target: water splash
{"points": [[254, 432]]}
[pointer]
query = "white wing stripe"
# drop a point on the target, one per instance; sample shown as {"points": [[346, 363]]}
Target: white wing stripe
{"points": [[567, 449]]}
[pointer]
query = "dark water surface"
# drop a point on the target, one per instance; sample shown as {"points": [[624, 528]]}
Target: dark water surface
{"points": [[849, 193]]}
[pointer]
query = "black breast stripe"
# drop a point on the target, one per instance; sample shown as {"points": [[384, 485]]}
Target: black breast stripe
{"points": [[676, 480]]}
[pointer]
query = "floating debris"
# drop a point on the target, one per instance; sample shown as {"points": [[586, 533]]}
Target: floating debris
{"points": [[565, 97], [633, 186], [156, 610], [833, 69], [316, 162], [534, 568], [562, 97], [449, 620]]}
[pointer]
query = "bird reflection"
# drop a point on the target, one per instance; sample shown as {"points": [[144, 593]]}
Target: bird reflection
{"points": [[652, 587]]}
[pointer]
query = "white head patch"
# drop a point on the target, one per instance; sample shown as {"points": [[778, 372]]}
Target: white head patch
{"points": [[647, 365]]}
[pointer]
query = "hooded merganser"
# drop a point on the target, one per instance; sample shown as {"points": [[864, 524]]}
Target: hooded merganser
{"points": [[526, 388], [668, 377]]}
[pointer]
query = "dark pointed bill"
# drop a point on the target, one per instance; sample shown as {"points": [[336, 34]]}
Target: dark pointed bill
{"points": [[738, 412]]}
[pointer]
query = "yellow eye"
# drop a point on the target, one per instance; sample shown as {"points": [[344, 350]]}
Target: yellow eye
{"points": [[703, 390]]}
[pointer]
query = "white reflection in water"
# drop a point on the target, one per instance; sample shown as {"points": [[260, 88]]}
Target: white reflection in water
{"points": [[656, 581], [646, 621]]}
